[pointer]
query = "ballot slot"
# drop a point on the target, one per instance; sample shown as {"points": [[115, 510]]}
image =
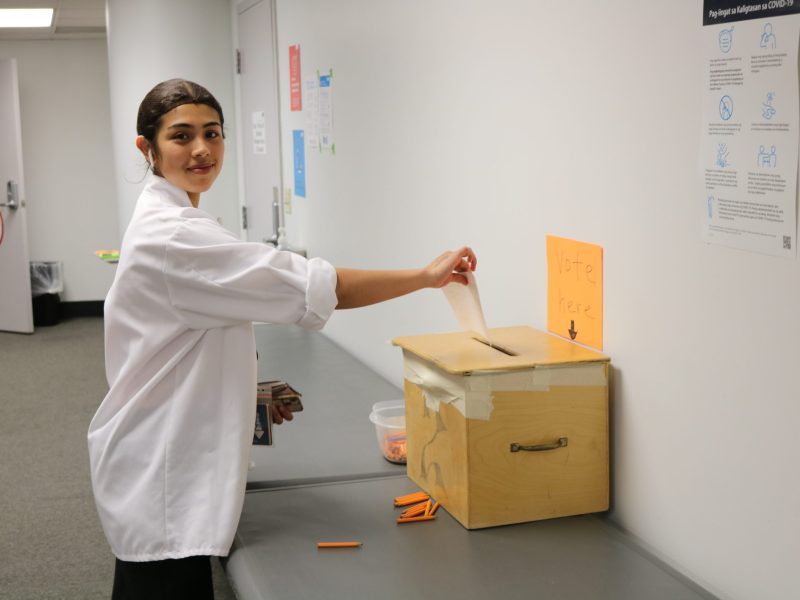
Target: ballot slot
{"points": [[505, 351]]}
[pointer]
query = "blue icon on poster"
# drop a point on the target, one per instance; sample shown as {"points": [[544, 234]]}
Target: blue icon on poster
{"points": [[726, 40], [767, 158], [767, 110], [722, 156], [767, 37], [725, 107]]}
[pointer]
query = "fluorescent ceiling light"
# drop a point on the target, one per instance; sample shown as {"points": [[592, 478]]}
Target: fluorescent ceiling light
{"points": [[26, 17]]}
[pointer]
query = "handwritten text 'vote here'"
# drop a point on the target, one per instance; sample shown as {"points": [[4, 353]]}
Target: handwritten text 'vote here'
{"points": [[575, 290], [582, 272]]}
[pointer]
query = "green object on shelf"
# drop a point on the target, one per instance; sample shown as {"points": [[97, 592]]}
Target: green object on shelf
{"points": [[109, 256]]}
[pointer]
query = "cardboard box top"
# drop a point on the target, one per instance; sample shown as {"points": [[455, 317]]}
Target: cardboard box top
{"points": [[463, 352]]}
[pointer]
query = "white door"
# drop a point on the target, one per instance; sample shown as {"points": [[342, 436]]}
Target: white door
{"points": [[16, 312], [260, 115]]}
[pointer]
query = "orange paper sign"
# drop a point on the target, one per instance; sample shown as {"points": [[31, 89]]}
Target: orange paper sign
{"points": [[575, 290]]}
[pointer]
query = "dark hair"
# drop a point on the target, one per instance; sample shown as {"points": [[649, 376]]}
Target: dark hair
{"points": [[166, 96]]}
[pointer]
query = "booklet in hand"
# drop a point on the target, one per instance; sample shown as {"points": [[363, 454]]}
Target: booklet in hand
{"points": [[268, 392]]}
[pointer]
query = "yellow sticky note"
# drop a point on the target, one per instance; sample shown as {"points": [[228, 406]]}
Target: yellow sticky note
{"points": [[575, 290]]}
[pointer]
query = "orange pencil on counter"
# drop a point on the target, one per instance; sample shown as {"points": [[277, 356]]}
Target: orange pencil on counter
{"points": [[338, 544], [411, 499], [415, 510], [416, 519], [411, 496], [422, 507]]}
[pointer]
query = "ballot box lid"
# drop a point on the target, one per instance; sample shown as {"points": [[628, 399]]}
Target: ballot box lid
{"points": [[512, 348]]}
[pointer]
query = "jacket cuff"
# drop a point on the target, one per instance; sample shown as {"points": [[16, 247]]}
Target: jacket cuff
{"points": [[321, 297]]}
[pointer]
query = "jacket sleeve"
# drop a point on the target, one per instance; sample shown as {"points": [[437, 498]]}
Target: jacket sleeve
{"points": [[214, 279]]}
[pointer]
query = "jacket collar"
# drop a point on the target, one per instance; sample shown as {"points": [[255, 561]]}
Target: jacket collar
{"points": [[168, 192]]}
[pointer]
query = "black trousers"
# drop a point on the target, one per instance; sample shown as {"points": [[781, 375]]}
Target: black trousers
{"points": [[172, 579]]}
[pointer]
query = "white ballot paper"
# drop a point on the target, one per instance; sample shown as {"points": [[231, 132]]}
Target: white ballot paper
{"points": [[466, 304]]}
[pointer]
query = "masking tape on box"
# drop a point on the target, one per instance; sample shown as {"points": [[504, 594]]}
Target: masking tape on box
{"points": [[472, 394]]}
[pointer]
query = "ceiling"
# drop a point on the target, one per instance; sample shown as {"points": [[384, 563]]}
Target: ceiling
{"points": [[72, 19]]}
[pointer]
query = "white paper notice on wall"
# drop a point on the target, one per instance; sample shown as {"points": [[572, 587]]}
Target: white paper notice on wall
{"points": [[750, 128], [311, 95], [259, 122], [466, 304], [325, 108]]}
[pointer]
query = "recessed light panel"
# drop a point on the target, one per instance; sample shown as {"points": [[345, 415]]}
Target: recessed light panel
{"points": [[26, 17]]}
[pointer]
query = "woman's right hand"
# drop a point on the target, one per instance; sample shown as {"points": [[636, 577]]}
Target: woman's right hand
{"points": [[450, 267]]}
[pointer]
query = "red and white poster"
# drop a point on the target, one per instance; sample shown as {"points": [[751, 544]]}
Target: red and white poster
{"points": [[294, 78]]}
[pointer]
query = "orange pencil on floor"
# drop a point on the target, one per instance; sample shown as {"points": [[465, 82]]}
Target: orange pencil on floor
{"points": [[338, 544]]}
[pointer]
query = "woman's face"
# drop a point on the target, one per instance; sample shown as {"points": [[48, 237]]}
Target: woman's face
{"points": [[190, 148]]}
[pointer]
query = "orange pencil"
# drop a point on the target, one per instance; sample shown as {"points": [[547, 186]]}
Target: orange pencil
{"points": [[411, 500], [428, 507], [415, 519], [338, 544], [410, 496], [414, 511], [434, 508]]}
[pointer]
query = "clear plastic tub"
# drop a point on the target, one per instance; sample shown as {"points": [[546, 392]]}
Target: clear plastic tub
{"points": [[389, 418]]}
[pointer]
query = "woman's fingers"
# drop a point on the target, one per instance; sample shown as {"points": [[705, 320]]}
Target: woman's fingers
{"points": [[280, 413], [467, 261], [450, 267]]}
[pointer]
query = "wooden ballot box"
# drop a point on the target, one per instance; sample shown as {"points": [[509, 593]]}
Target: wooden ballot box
{"points": [[513, 432]]}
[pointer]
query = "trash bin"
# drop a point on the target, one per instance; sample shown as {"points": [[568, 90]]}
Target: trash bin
{"points": [[47, 283]]}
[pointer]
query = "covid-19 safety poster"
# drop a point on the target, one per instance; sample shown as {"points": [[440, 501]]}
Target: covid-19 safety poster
{"points": [[750, 125]]}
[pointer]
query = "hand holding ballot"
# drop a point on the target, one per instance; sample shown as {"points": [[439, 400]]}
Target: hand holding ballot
{"points": [[360, 287], [451, 267]]}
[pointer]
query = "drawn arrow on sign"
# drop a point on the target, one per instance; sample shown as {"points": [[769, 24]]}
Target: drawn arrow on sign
{"points": [[572, 332]]}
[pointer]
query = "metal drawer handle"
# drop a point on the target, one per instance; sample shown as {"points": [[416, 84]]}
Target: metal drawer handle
{"points": [[540, 447]]}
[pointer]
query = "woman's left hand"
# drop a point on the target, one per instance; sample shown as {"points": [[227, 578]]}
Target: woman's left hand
{"points": [[450, 267], [280, 412]]}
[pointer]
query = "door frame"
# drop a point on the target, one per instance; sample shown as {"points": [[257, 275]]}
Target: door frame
{"points": [[19, 215], [236, 9]]}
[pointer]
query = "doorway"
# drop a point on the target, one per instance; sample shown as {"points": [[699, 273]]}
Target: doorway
{"points": [[16, 310], [259, 109]]}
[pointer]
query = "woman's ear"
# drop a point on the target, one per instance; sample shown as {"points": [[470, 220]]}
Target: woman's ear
{"points": [[144, 147]]}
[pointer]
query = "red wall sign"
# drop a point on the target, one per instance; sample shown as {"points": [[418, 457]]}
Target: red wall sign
{"points": [[294, 77]]}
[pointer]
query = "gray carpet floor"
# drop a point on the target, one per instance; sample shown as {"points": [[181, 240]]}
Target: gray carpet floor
{"points": [[51, 542]]}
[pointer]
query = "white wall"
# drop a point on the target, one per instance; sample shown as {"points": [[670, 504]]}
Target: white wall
{"points": [[495, 124], [66, 137]]}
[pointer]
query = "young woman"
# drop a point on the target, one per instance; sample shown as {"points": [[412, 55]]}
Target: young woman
{"points": [[170, 443]]}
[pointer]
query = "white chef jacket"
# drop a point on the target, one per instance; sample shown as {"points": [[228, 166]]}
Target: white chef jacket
{"points": [[170, 444]]}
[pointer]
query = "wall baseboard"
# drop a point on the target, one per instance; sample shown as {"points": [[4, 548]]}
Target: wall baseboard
{"points": [[86, 308]]}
